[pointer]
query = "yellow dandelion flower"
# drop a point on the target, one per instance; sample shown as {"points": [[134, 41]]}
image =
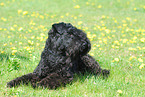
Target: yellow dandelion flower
{"points": [[20, 43], [75, 17], [19, 11], [2, 52], [2, 4], [4, 19], [10, 43], [107, 31], [99, 6], [139, 47], [13, 48], [15, 25], [100, 48], [80, 22], [41, 16], [124, 25], [87, 3], [25, 37], [67, 14], [125, 40], [9, 36], [116, 59], [5, 44], [12, 29], [132, 49], [25, 12], [135, 9], [27, 48], [77, 6], [42, 34], [37, 44], [128, 18], [119, 91], [103, 17], [142, 39], [141, 66], [20, 29], [61, 16], [113, 46], [14, 51], [140, 59], [94, 35], [32, 37], [143, 48]]}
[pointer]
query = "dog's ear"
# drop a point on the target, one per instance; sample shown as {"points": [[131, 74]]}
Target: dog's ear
{"points": [[58, 27]]}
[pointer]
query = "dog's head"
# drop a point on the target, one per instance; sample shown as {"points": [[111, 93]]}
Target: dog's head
{"points": [[67, 40]]}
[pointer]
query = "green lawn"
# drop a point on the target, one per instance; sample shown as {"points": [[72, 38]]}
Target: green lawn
{"points": [[116, 29]]}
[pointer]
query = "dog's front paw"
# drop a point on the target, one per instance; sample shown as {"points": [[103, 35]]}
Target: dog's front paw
{"points": [[105, 72]]}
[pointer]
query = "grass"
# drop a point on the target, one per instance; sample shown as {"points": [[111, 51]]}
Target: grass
{"points": [[115, 28]]}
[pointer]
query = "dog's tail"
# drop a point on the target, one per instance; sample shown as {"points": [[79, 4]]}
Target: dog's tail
{"points": [[25, 79]]}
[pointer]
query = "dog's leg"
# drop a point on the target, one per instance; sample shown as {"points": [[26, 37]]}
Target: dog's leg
{"points": [[55, 80], [89, 64], [25, 79]]}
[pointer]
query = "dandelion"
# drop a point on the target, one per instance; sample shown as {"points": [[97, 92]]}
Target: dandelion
{"points": [[125, 40], [80, 22], [10, 43], [140, 59], [132, 49], [14, 51], [2, 52], [42, 34], [25, 12], [13, 48], [116, 59], [32, 37], [12, 29], [5, 44], [9, 36], [15, 25], [2, 4], [135, 9], [142, 39], [128, 18], [61, 16], [92, 54], [27, 48], [19, 11], [4, 19], [99, 6], [37, 44], [77, 6], [30, 42], [107, 31], [119, 91], [141, 66], [87, 3], [20, 29], [103, 17], [20, 43], [67, 14]]}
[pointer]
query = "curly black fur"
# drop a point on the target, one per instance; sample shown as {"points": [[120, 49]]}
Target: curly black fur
{"points": [[65, 53]]}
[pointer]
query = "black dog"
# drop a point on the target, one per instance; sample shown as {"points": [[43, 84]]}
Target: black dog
{"points": [[65, 54]]}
